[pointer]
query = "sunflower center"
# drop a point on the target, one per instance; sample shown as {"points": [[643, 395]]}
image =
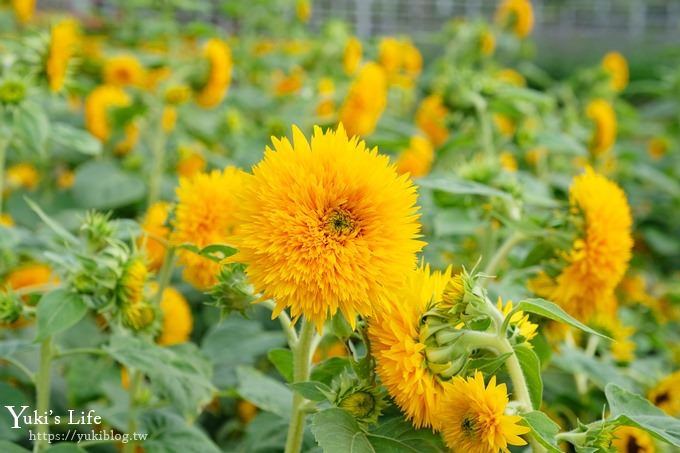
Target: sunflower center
{"points": [[661, 398], [340, 222], [468, 426], [632, 445]]}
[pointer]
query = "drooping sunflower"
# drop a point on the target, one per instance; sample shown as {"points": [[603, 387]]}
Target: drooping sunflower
{"points": [[97, 106], [24, 10], [599, 256], [473, 417], [666, 394], [218, 54], [205, 215], [155, 231], [602, 114], [616, 66], [177, 319], [417, 158], [63, 45], [352, 56], [431, 119], [517, 15], [326, 226], [365, 101], [136, 312], [400, 356], [124, 70], [628, 439]]}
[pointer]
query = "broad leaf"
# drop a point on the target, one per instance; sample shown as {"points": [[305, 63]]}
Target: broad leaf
{"points": [[543, 429], [531, 367], [169, 433], [264, 392], [457, 186], [312, 390], [282, 359], [57, 311], [552, 311]]}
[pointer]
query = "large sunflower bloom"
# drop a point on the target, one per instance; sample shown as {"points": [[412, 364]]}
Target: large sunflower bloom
{"points": [[124, 70], [616, 66], [431, 119], [63, 43], [97, 104], [218, 54], [205, 215], [365, 101], [326, 226], [599, 257], [517, 15], [473, 417], [602, 114], [399, 353]]}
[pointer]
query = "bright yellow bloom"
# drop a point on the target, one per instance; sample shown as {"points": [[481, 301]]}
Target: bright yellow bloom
{"points": [[633, 440], [623, 347], [412, 60], [32, 275], [66, 179], [326, 226], [177, 94], [24, 10], [431, 119], [23, 175], [601, 113], [169, 118], [326, 106], [177, 319], [400, 356], [487, 43], [390, 56], [205, 215], [97, 104], [131, 285], [303, 10], [190, 162], [666, 394], [616, 66], [63, 45], [417, 158], [155, 231], [508, 162], [352, 56], [657, 147], [285, 84], [511, 77], [129, 140], [6, 220], [599, 257], [517, 15], [519, 321], [218, 54], [473, 417], [505, 124], [365, 101], [124, 70]]}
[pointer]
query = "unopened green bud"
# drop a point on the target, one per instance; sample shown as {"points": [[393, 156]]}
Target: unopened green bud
{"points": [[138, 316], [363, 400], [10, 308], [12, 92], [98, 228], [232, 292]]}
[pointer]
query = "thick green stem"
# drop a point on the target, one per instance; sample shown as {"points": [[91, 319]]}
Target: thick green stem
{"points": [[302, 360], [135, 381], [286, 324], [42, 393], [502, 252]]}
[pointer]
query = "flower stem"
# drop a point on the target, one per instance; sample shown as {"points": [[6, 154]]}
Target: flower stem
{"points": [[286, 324], [42, 393], [135, 380], [502, 252], [302, 359]]}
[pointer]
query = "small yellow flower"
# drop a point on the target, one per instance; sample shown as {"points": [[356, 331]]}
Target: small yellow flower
{"points": [[218, 54], [177, 318], [431, 119], [97, 106], [65, 179], [412, 60], [124, 70], [534, 155], [519, 321], [23, 175], [628, 439], [32, 275], [190, 162], [666, 394], [352, 56], [473, 417], [517, 15], [390, 55], [131, 284], [616, 66], [129, 141], [155, 234], [177, 94], [63, 45], [303, 10], [6, 220], [246, 411], [154, 76], [657, 147], [169, 118], [287, 84], [601, 113], [487, 43], [365, 101], [504, 124], [417, 158], [24, 10], [508, 161], [511, 77]]}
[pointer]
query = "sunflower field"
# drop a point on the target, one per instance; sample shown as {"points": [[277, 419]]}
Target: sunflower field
{"points": [[225, 228]]}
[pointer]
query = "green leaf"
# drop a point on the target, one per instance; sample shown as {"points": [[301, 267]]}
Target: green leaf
{"points": [[169, 433], [600, 372], [179, 374], [32, 127], [552, 311], [282, 359], [457, 186], [531, 368], [312, 390], [336, 431], [630, 409], [488, 365], [70, 138], [406, 437], [263, 391], [10, 347], [12, 396], [57, 311], [327, 370], [217, 252], [102, 184], [543, 429], [9, 447]]}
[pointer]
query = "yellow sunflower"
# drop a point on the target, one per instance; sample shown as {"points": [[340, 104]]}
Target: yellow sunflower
{"points": [[519, 321], [24, 10], [487, 43], [352, 56], [390, 55], [31, 275], [657, 147], [431, 119], [326, 226], [400, 356], [411, 58], [517, 15], [97, 105], [205, 215], [511, 77], [666, 394], [177, 319], [6, 220], [218, 54], [303, 10], [136, 312], [326, 106], [628, 439], [124, 70], [508, 162], [602, 114], [365, 101], [190, 162], [22, 175], [63, 45], [599, 257], [287, 84], [155, 231], [616, 66], [417, 158], [473, 417]]}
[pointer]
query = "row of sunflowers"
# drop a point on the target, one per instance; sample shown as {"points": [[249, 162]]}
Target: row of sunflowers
{"points": [[229, 229]]}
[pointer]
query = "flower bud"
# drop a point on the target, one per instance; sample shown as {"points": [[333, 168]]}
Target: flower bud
{"points": [[363, 400], [10, 308], [12, 92]]}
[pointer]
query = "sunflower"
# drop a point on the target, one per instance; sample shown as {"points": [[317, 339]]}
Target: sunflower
{"points": [[6, 220], [23, 175], [155, 231], [177, 319], [517, 15], [190, 162], [124, 70], [131, 284], [519, 321], [326, 106], [666, 394], [352, 56], [287, 84], [303, 10], [24, 10], [97, 104], [365, 101], [326, 225], [400, 356], [511, 77], [129, 140], [473, 417], [657, 147], [601, 113], [417, 158], [487, 43], [390, 55], [599, 257], [32, 275], [508, 162], [431, 119], [205, 215], [505, 125], [411, 58], [616, 66], [218, 54], [633, 440], [63, 45]]}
